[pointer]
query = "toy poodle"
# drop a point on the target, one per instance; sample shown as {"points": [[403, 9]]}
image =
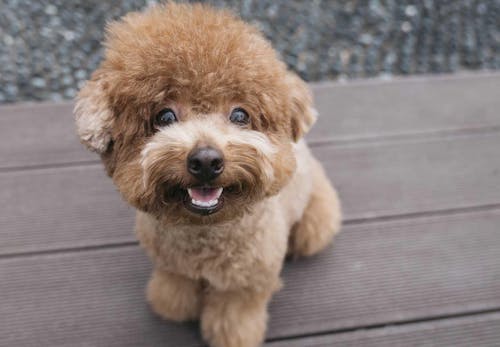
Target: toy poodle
{"points": [[200, 126]]}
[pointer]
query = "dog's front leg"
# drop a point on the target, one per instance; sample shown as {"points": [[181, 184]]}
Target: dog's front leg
{"points": [[173, 296], [235, 318]]}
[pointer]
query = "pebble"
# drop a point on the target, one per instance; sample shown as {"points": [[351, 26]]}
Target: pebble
{"points": [[411, 10], [69, 93], [80, 74], [51, 10], [406, 27], [48, 48], [38, 82], [8, 40]]}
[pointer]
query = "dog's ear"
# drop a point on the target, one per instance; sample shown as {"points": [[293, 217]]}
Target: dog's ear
{"points": [[301, 110], [94, 118]]}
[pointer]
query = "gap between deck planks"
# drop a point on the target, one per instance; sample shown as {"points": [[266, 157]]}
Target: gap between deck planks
{"points": [[473, 330]]}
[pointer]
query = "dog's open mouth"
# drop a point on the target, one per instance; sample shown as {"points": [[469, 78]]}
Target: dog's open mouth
{"points": [[204, 200]]}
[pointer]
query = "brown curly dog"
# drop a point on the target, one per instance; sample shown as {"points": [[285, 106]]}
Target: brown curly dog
{"points": [[200, 126]]}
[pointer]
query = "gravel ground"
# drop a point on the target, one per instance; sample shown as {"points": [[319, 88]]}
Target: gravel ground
{"points": [[49, 48]]}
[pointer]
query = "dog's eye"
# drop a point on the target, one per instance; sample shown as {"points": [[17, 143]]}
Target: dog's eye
{"points": [[239, 116], [165, 117]]}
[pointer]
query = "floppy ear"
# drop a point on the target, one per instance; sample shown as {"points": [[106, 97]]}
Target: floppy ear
{"points": [[301, 109], [93, 117]]}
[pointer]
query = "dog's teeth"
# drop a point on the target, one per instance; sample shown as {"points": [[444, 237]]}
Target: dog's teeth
{"points": [[205, 204], [197, 194]]}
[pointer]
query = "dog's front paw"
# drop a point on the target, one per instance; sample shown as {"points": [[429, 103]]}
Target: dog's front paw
{"points": [[235, 319], [174, 297]]}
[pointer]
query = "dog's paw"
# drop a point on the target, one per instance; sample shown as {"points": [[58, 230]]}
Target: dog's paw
{"points": [[174, 297], [234, 319]]}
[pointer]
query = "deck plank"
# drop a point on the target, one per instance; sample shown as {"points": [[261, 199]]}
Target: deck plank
{"points": [[421, 267], [39, 134], [406, 106], [476, 330], [61, 208], [44, 134], [414, 176], [78, 206]]}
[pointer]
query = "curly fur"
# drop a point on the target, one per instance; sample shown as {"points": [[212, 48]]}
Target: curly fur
{"points": [[200, 62]]}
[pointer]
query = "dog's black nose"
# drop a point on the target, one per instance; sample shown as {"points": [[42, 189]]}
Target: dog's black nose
{"points": [[205, 163]]}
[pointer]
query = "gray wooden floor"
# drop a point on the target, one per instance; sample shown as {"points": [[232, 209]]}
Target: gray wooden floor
{"points": [[417, 165]]}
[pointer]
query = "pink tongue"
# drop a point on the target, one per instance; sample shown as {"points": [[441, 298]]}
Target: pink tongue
{"points": [[204, 194]]}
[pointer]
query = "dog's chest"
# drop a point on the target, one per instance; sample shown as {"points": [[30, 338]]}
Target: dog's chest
{"points": [[225, 257]]}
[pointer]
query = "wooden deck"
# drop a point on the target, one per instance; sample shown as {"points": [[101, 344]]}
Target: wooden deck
{"points": [[417, 165]]}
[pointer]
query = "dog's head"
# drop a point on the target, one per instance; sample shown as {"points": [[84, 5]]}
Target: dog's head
{"points": [[193, 114]]}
